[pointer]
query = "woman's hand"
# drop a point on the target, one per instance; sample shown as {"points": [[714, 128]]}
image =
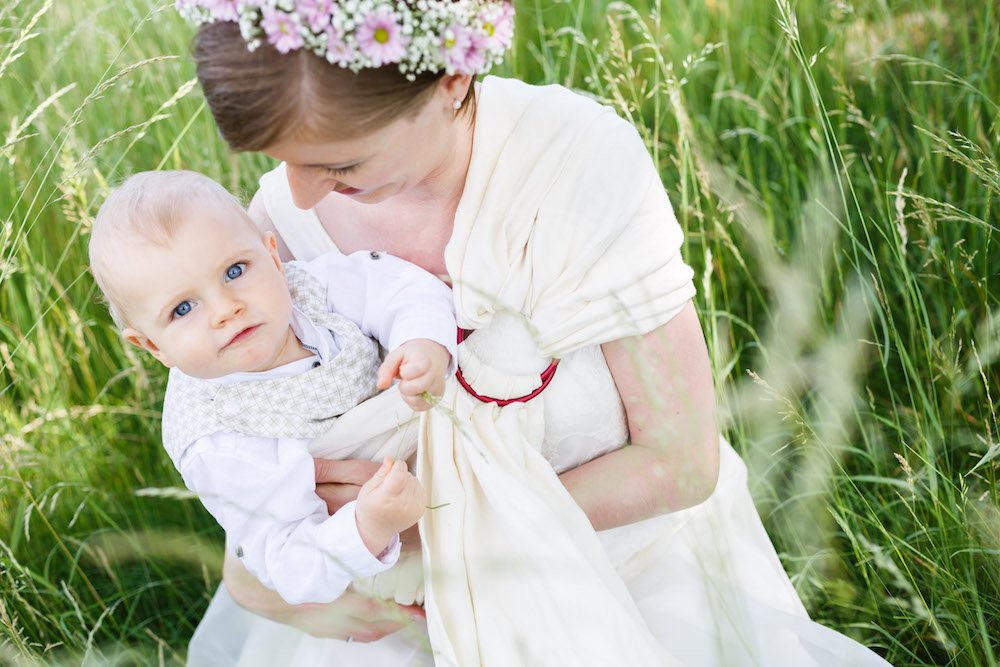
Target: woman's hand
{"points": [[338, 482], [351, 615]]}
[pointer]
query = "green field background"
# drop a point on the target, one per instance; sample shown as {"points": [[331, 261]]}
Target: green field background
{"points": [[834, 167]]}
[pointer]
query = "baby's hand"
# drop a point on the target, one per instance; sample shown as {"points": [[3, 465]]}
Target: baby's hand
{"points": [[420, 365], [388, 503]]}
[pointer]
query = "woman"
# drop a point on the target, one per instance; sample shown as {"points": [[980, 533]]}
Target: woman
{"points": [[545, 212]]}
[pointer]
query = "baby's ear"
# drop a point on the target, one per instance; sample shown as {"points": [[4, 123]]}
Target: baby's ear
{"points": [[271, 243], [138, 339]]}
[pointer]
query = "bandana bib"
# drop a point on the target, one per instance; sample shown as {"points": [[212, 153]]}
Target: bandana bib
{"points": [[300, 406]]}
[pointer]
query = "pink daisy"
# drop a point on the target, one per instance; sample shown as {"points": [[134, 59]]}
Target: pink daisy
{"points": [[475, 56], [281, 30], [455, 43], [381, 38], [498, 22], [338, 51], [316, 13]]}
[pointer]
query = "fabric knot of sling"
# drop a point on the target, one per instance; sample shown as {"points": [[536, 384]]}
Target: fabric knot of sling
{"points": [[300, 406]]}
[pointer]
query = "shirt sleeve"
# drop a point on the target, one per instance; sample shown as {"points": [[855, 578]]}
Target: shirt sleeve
{"points": [[389, 298], [262, 491]]}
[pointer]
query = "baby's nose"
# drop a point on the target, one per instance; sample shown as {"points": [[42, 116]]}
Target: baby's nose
{"points": [[226, 308]]}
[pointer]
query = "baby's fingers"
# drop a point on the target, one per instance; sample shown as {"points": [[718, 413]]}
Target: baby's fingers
{"points": [[415, 491], [378, 479], [413, 367], [416, 386], [413, 396], [396, 480], [389, 369]]}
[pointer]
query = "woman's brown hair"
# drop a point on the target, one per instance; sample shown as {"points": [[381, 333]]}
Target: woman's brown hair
{"points": [[261, 97]]}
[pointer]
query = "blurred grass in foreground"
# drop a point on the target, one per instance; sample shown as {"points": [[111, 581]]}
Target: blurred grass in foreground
{"points": [[834, 167]]}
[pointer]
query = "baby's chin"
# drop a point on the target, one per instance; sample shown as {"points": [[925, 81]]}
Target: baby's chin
{"points": [[256, 349], [232, 366]]}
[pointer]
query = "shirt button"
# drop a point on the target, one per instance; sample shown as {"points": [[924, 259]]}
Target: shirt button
{"points": [[239, 552], [374, 254]]}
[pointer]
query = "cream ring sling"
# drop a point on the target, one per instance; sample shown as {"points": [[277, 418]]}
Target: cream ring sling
{"points": [[514, 573]]}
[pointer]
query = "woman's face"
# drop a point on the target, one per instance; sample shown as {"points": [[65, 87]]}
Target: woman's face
{"points": [[417, 151]]}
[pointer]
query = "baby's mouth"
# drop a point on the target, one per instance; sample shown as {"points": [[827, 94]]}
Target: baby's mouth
{"points": [[243, 335]]}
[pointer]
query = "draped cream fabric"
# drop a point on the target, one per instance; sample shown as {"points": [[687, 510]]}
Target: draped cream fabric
{"points": [[564, 222], [563, 219]]}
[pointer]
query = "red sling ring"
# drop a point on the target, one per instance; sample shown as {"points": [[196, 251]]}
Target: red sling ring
{"points": [[546, 377]]}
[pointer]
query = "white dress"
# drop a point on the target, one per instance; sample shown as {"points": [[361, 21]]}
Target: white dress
{"points": [[706, 580]]}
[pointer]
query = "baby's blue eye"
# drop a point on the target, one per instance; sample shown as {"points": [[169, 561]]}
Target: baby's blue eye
{"points": [[235, 271], [182, 309]]}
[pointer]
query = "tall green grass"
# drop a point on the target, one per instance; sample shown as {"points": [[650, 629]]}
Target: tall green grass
{"points": [[834, 167]]}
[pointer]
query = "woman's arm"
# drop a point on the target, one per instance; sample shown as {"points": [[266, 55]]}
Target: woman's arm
{"points": [[665, 382], [351, 615]]}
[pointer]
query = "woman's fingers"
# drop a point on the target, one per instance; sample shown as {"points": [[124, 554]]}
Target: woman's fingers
{"points": [[415, 612], [353, 615], [350, 471], [339, 482], [384, 618], [337, 495]]}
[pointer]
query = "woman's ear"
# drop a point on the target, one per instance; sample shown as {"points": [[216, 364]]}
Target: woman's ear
{"points": [[455, 87], [140, 340]]}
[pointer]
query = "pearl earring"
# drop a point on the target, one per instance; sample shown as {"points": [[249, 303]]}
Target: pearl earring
{"points": [[456, 105]]}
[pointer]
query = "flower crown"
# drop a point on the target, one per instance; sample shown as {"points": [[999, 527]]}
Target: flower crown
{"points": [[457, 37]]}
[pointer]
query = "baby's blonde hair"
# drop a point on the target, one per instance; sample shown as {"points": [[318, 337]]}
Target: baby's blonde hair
{"points": [[148, 207]]}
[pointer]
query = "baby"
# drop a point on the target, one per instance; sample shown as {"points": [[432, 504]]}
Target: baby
{"points": [[264, 357]]}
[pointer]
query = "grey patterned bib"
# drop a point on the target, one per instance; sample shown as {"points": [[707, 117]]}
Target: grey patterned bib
{"points": [[300, 406]]}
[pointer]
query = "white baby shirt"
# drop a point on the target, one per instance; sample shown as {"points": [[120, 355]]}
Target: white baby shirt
{"points": [[261, 490]]}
